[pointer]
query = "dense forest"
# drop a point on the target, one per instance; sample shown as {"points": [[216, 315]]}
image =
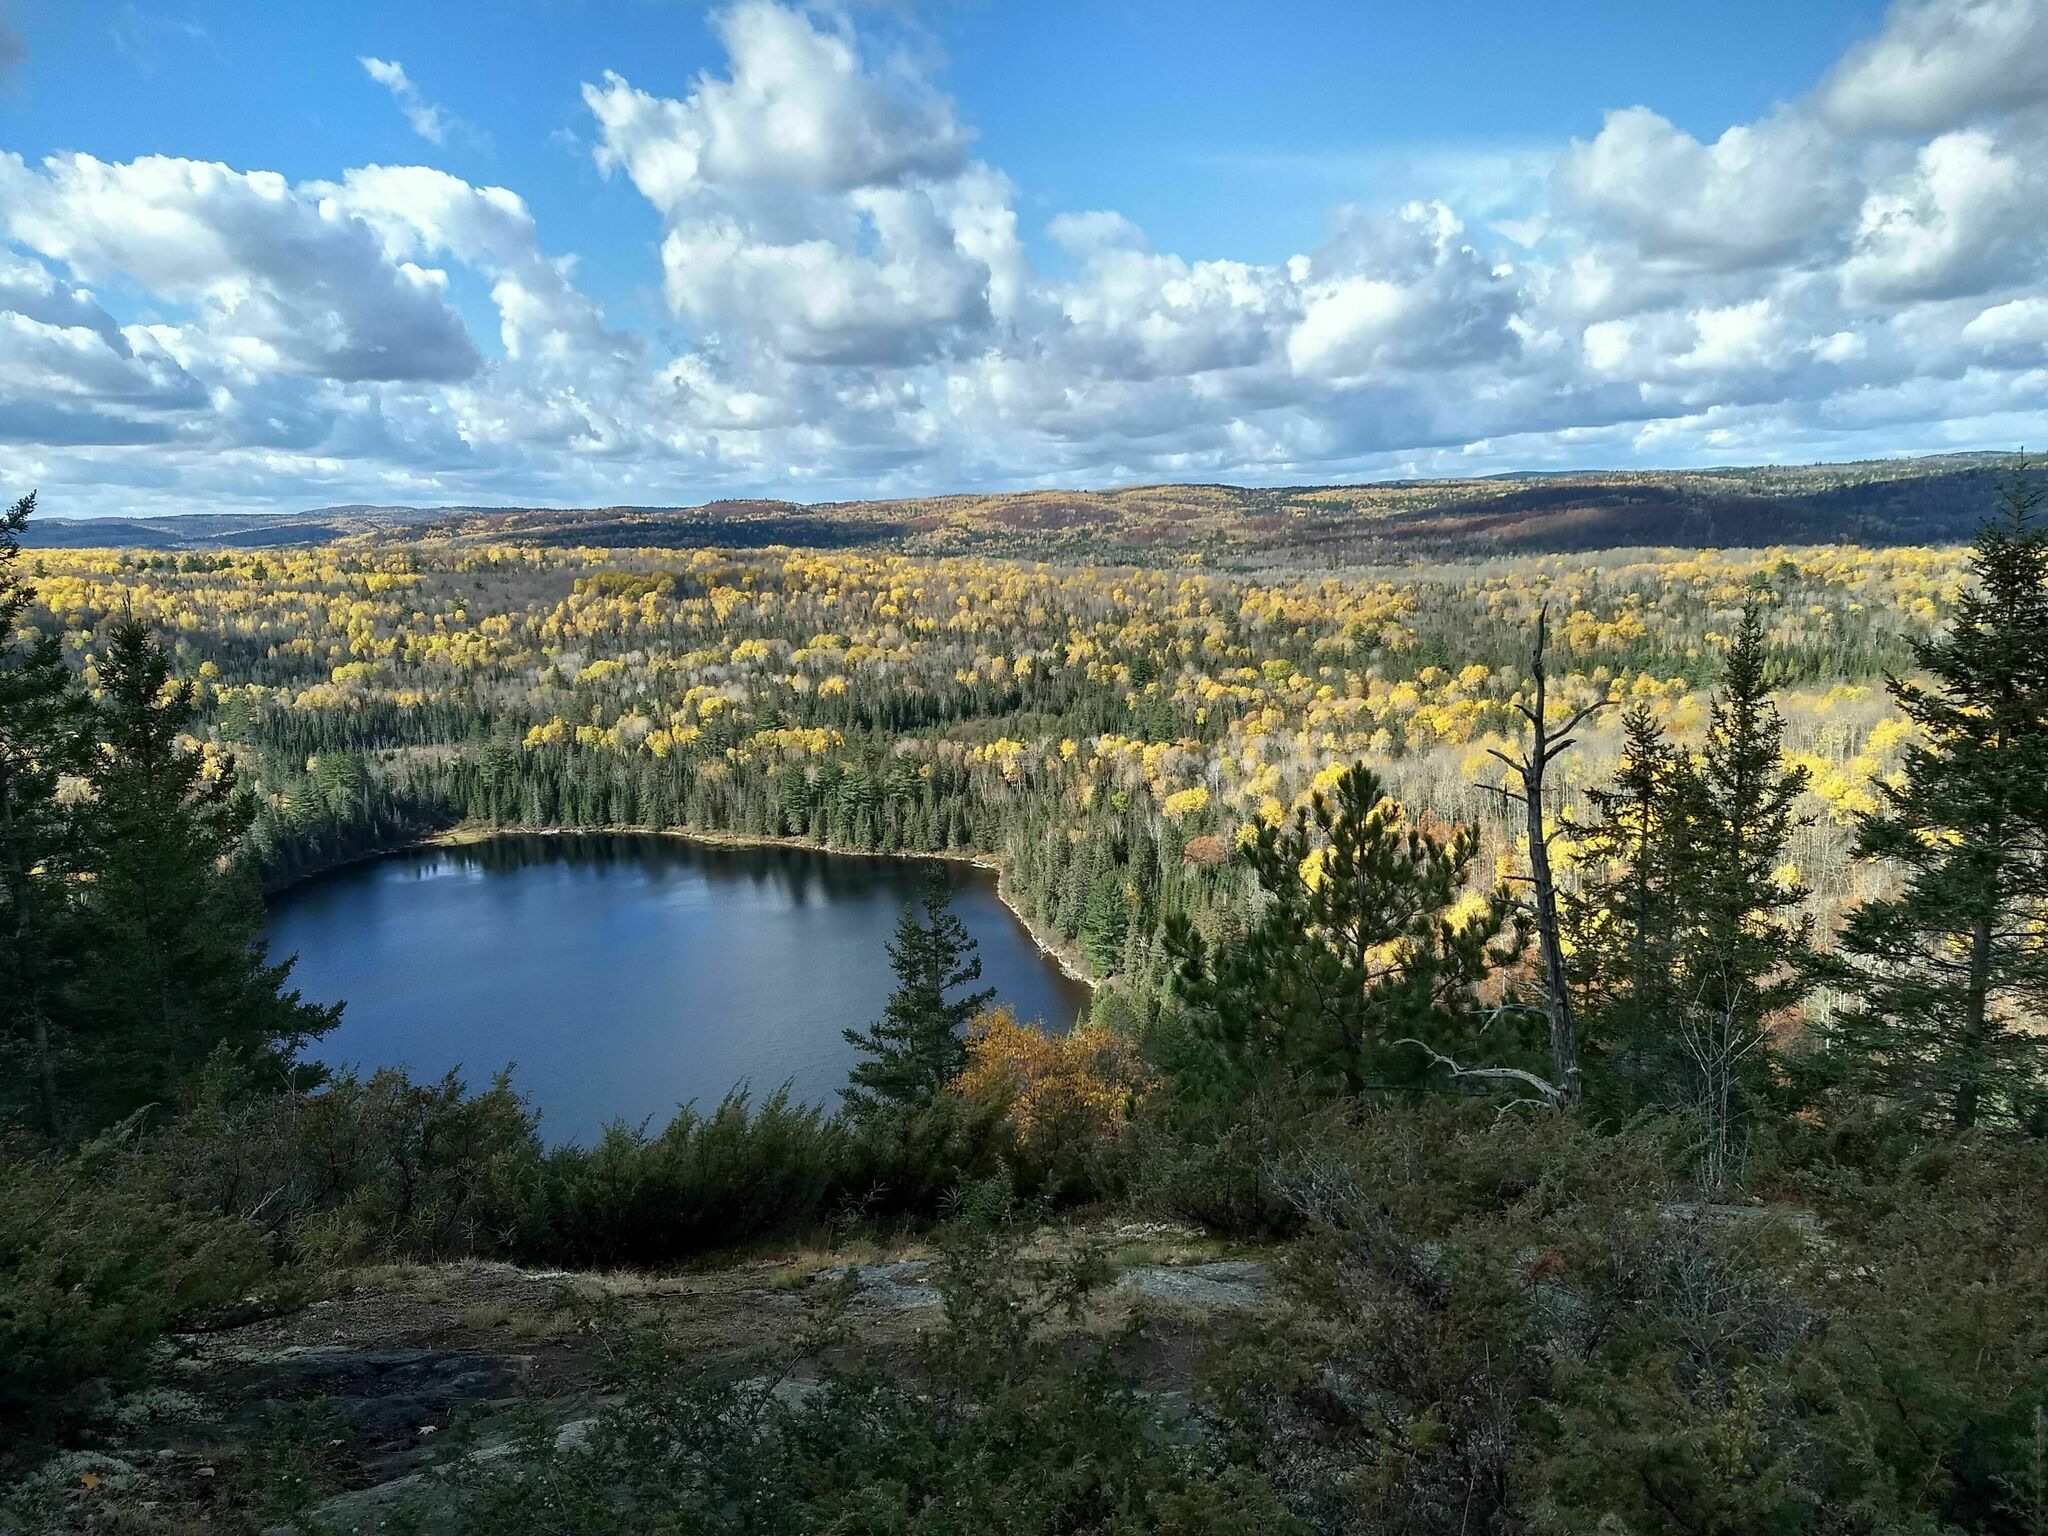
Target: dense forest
{"points": [[1604, 991], [1108, 733]]}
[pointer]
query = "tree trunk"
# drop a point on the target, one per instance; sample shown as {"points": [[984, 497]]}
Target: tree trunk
{"points": [[1564, 1033], [1976, 1025], [46, 1077]]}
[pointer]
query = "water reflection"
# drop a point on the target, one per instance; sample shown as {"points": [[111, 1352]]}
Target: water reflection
{"points": [[628, 974]]}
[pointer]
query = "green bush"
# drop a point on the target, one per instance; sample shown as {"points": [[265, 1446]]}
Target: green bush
{"points": [[363, 1168], [98, 1261], [745, 1174], [1500, 1324], [705, 1182], [384, 1168], [1230, 1167]]}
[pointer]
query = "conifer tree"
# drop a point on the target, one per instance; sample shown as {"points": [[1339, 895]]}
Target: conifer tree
{"points": [[1746, 946], [43, 717], [1360, 948], [175, 927], [1948, 979], [1689, 937], [919, 1044], [1106, 919], [1625, 919]]}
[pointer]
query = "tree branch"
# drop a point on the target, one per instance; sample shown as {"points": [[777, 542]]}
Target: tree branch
{"points": [[1552, 1095]]}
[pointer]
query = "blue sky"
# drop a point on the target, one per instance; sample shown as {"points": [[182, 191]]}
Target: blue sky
{"points": [[257, 256]]}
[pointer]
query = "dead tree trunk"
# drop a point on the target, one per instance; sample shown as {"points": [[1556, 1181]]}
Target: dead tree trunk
{"points": [[1545, 747]]}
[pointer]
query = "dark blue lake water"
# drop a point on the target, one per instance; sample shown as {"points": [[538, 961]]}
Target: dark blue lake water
{"points": [[623, 976]]}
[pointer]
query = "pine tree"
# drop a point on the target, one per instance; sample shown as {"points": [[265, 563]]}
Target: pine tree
{"points": [[1365, 943], [175, 927], [43, 717], [919, 1046], [1949, 978]]}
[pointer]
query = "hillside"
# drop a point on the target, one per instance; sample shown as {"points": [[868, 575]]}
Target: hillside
{"points": [[1883, 502]]}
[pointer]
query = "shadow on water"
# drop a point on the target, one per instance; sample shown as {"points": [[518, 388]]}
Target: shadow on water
{"points": [[625, 975]]}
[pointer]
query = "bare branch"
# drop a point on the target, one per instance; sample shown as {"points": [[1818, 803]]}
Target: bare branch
{"points": [[1553, 1096], [1586, 714]]}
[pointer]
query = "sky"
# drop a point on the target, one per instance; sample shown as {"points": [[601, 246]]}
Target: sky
{"points": [[262, 257]]}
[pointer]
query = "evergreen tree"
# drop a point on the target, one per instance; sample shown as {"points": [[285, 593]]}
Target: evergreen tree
{"points": [[1688, 938], [1106, 919], [43, 736], [1625, 919], [1360, 946], [918, 1045], [1745, 951], [1949, 978], [174, 924]]}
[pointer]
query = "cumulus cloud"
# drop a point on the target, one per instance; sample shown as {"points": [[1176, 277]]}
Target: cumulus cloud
{"points": [[1938, 63], [1759, 194], [854, 307], [1964, 220], [812, 200], [284, 283], [798, 108]]}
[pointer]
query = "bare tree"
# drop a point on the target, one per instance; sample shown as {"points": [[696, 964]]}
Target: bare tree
{"points": [[1546, 745]]}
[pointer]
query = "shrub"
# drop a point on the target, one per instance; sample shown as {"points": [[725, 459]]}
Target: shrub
{"points": [[1229, 1167], [745, 1174], [97, 1263], [705, 1182], [376, 1168], [1500, 1324], [1067, 1097]]}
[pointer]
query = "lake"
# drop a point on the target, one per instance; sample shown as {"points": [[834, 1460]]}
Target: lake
{"points": [[626, 975]]}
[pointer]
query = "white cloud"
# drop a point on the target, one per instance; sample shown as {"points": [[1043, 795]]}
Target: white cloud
{"points": [[1938, 63], [285, 284], [812, 202], [427, 120], [798, 109], [854, 310], [2017, 323], [1966, 220], [1758, 195]]}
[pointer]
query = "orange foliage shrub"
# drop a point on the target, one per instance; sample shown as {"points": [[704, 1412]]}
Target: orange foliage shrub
{"points": [[1083, 1084]]}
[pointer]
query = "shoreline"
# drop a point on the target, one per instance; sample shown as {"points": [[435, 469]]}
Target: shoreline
{"points": [[1068, 961]]}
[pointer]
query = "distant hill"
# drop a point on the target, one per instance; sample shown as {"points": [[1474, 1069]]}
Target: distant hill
{"points": [[202, 530], [1895, 501]]}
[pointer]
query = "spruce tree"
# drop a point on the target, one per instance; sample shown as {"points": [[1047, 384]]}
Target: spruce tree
{"points": [[1746, 946], [919, 1044], [43, 717], [1367, 940], [1106, 919], [1625, 918], [1948, 978], [179, 967], [1688, 937]]}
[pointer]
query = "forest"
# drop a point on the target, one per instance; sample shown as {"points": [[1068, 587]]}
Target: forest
{"points": [[1603, 991]]}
